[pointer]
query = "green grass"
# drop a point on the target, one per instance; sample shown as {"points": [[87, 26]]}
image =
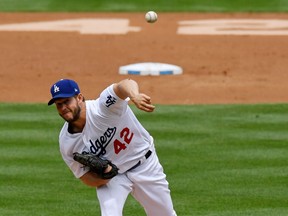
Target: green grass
{"points": [[219, 159], [141, 5]]}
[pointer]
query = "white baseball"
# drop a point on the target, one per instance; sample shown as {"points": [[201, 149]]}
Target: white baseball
{"points": [[151, 17]]}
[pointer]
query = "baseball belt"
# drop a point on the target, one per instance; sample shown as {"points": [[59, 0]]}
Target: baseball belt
{"points": [[147, 155]]}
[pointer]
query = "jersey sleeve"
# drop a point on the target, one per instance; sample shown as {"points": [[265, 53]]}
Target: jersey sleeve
{"points": [[111, 104], [69, 145], [77, 169]]}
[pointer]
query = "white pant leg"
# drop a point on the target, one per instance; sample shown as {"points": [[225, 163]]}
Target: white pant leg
{"points": [[113, 195], [151, 188]]}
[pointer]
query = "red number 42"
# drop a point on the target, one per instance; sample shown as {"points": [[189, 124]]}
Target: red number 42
{"points": [[126, 136]]}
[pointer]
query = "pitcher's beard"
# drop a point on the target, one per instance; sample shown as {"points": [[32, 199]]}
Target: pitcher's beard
{"points": [[75, 115]]}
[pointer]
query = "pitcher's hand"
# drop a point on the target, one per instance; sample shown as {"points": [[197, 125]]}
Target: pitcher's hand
{"points": [[143, 102]]}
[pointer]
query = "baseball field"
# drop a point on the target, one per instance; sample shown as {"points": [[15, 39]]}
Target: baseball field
{"points": [[220, 128]]}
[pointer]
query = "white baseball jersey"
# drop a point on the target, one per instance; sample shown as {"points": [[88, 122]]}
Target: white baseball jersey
{"points": [[111, 131]]}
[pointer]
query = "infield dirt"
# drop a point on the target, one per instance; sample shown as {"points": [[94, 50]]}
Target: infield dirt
{"points": [[217, 69]]}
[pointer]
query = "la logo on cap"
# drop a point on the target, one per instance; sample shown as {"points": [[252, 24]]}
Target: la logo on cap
{"points": [[64, 88], [56, 88]]}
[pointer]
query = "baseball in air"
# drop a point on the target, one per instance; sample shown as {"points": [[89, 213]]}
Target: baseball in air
{"points": [[151, 17]]}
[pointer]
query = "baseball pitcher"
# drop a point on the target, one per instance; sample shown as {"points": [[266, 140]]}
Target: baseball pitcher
{"points": [[106, 147]]}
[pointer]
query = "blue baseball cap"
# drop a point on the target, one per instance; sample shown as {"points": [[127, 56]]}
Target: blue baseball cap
{"points": [[64, 88]]}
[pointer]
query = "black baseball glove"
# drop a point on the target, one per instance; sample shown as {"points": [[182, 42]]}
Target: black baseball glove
{"points": [[96, 164]]}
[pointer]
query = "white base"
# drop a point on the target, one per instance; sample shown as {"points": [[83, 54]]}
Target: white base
{"points": [[150, 68]]}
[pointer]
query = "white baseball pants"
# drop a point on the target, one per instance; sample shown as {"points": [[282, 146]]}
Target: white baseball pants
{"points": [[148, 185]]}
